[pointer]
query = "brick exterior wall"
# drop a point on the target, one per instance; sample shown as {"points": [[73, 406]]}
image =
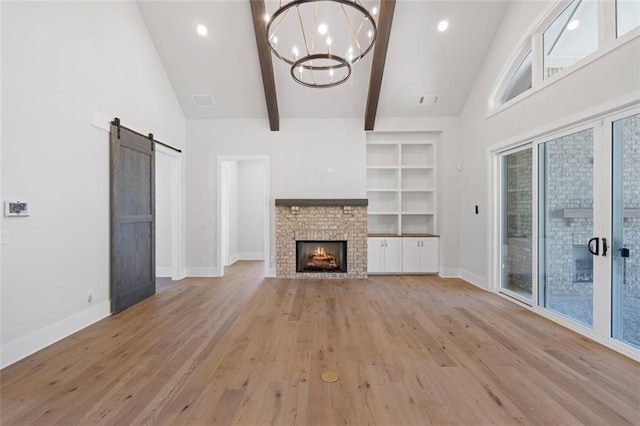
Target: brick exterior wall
{"points": [[570, 186], [331, 223], [518, 205]]}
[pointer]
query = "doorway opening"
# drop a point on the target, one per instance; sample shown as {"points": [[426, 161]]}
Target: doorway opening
{"points": [[244, 228]]}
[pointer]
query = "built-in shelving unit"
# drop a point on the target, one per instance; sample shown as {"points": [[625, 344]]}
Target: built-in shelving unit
{"points": [[401, 183]]}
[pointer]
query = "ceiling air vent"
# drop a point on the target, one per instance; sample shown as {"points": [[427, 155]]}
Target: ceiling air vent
{"points": [[428, 100], [203, 101]]}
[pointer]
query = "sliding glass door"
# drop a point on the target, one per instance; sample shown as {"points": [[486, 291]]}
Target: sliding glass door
{"points": [[626, 230], [565, 225], [516, 277]]}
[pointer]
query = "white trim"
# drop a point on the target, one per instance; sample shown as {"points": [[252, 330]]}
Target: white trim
{"points": [[233, 258], [177, 249], [24, 346], [448, 272], [203, 272], [474, 279], [251, 256]]}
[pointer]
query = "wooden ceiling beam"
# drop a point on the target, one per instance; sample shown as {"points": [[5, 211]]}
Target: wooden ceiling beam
{"points": [[258, 11], [387, 7]]}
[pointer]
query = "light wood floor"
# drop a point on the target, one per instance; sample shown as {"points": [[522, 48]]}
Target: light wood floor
{"points": [[242, 350]]}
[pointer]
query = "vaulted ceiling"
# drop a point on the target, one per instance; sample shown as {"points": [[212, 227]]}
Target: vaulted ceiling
{"points": [[420, 61]]}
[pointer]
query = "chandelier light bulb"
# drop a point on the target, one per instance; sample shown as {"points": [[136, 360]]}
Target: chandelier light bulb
{"points": [[573, 24], [370, 34], [275, 40], [295, 52], [374, 11], [322, 29], [266, 17], [329, 41], [331, 72]]}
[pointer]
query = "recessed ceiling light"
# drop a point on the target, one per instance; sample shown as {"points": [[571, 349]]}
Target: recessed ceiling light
{"points": [[202, 30], [443, 25], [573, 24]]}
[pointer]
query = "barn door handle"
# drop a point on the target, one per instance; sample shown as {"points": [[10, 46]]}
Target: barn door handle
{"points": [[597, 251]]}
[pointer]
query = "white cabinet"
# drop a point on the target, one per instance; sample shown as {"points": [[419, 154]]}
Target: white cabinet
{"points": [[384, 255], [419, 255]]}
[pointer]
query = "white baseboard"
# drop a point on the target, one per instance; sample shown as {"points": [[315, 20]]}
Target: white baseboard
{"points": [[251, 256], [449, 272], [474, 279], [163, 272], [24, 346], [203, 272], [271, 273], [233, 258]]}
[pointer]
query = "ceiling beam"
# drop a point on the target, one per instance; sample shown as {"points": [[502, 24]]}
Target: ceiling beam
{"points": [[258, 11], [387, 7]]}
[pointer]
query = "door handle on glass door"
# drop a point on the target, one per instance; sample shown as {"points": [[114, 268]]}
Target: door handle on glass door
{"points": [[597, 252], [605, 247]]}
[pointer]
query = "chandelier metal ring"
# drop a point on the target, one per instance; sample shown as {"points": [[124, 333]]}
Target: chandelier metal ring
{"points": [[310, 52], [340, 63]]}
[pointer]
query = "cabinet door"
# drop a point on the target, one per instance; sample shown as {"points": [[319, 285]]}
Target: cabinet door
{"points": [[393, 255], [429, 255], [374, 255], [411, 251]]}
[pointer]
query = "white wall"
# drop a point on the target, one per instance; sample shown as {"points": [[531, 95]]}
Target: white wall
{"points": [[61, 61], [308, 159], [251, 209], [610, 77]]}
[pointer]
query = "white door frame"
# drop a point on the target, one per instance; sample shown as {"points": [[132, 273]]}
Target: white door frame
{"points": [[177, 270], [267, 208]]}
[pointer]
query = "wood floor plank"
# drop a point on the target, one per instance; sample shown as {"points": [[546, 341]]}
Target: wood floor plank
{"points": [[409, 350]]}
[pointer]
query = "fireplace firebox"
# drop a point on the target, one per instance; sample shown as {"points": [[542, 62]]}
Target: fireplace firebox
{"points": [[321, 256]]}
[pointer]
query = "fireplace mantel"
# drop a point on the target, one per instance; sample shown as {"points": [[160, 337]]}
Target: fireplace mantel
{"points": [[321, 202]]}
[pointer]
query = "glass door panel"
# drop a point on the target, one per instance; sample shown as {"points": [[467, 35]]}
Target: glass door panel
{"points": [[566, 226], [626, 231], [516, 233]]}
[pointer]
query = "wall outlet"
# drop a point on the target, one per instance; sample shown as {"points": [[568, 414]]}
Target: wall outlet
{"points": [[90, 296]]}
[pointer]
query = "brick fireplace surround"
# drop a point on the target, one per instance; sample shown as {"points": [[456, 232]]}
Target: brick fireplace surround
{"points": [[321, 219]]}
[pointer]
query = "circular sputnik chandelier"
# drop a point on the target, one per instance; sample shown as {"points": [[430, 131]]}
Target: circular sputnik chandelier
{"points": [[321, 39]]}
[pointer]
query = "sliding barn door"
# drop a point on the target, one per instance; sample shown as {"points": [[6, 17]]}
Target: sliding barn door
{"points": [[132, 218]]}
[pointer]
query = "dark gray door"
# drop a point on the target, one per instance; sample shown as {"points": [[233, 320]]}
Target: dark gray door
{"points": [[133, 261]]}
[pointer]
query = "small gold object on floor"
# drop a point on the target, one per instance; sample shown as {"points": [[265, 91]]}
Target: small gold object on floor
{"points": [[330, 376]]}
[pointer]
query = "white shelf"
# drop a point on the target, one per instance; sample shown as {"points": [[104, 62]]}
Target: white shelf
{"points": [[401, 182]]}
